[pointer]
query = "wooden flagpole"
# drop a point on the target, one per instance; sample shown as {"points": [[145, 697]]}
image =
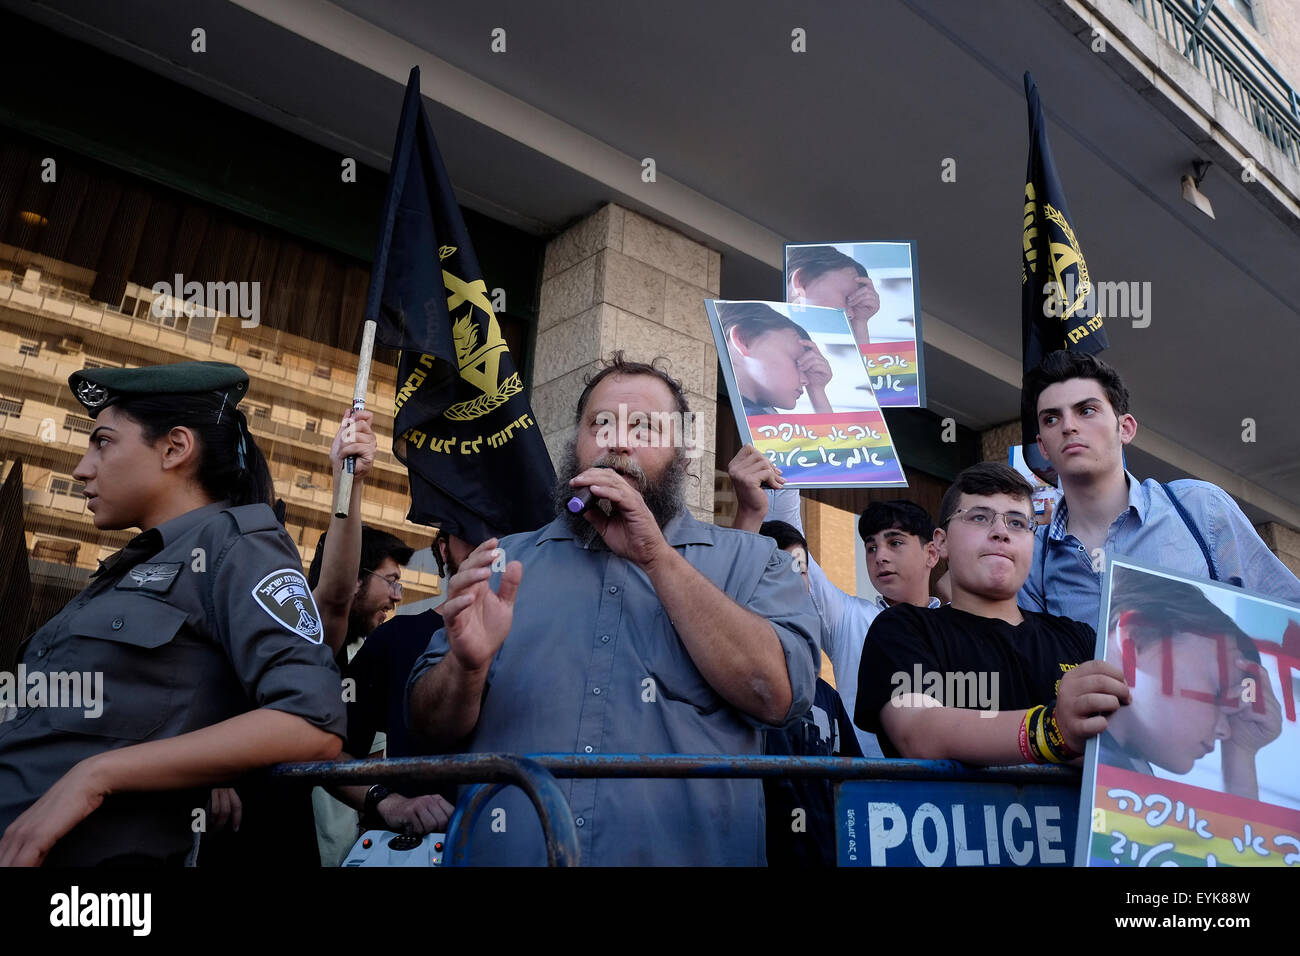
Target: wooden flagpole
{"points": [[343, 487]]}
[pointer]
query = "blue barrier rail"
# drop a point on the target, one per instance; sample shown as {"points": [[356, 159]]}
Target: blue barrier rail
{"points": [[536, 775]]}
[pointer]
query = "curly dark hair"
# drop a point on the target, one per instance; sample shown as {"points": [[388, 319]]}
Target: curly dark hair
{"points": [[1061, 366], [616, 364]]}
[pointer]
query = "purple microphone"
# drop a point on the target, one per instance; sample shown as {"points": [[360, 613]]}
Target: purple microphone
{"points": [[583, 499]]}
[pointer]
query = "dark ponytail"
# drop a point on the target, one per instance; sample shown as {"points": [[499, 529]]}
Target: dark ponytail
{"points": [[231, 466]]}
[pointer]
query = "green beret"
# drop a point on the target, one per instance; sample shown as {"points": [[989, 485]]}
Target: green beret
{"points": [[97, 388]]}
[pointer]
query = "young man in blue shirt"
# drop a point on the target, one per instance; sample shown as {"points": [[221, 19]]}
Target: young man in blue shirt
{"points": [[1188, 527]]}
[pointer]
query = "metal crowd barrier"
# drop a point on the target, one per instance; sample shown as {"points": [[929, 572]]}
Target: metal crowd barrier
{"points": [[911, 794]]}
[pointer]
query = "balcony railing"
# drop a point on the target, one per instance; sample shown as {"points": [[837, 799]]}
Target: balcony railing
{"points": [[1233, 65]]}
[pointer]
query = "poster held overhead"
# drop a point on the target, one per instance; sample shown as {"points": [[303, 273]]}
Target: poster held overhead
{"points": [[802, 395], [875, 285]]}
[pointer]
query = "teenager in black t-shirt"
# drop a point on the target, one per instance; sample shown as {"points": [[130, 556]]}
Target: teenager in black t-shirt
{"points": [[983, 680], [965, 660]]}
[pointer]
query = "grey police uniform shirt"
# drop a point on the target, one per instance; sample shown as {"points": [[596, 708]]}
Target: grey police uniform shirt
{"points": [[203, 618], [592, 665]]}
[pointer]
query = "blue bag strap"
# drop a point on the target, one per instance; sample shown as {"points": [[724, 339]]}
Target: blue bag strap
{"points": [[1196, 532]]}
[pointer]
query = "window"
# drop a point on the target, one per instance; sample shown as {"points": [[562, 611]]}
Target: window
{"points": [[256, 353], [202, 327], [63, 552], [311, 424], [129, 305], [322, 371], [99, 363], [259, 413], [28, 347], [11, 406], [171, 320], [302, 480], [79, 423], [1247, 9], [67, 486]]}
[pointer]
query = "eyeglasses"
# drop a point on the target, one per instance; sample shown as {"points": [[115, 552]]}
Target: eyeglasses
{"points": [[394, 585], [1016, 522]]}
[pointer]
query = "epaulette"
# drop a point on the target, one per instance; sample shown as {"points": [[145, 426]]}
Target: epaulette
{"points": [[251, 518]]}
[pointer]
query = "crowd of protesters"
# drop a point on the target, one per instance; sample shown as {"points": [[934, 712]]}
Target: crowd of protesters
{"points": [[626, 627]]}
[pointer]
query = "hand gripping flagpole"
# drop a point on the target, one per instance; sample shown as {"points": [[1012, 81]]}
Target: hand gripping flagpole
{"points": [[343, 487]]}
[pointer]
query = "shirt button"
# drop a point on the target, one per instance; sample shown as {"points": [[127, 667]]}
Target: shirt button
{"points": [[595, 690], [579, 821], [604, 638], [117, 623], [587, 748], [613, 589]]}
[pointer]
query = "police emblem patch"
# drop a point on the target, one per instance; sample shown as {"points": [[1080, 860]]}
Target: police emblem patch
{"points": [[285, 596], [92, 395]]}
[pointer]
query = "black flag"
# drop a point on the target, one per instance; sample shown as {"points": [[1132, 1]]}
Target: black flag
{"points": [[1057, 306], [477, 464]]}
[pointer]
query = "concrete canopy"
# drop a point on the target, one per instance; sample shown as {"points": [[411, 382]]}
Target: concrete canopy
{"points": [[755, 144]]}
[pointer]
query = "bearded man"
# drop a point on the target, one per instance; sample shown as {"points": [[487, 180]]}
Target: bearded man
{"points": [[630, 627]]}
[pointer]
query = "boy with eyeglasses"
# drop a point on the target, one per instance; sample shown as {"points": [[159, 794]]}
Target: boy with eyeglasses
{"points": [[984, 680]]}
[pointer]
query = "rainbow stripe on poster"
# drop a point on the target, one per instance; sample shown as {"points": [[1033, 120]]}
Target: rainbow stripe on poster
{"points": [[894, 373], [844, 448], [1140, 820]]}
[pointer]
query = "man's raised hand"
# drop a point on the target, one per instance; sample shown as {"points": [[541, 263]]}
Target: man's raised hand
{"points": [[750, 471], [630, 530], [476, 617], [354, 437]]}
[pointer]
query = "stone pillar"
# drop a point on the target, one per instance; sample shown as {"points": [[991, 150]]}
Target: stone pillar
{"points": [[1283, 541], [995, 441], [832, 534], [617, 280]]}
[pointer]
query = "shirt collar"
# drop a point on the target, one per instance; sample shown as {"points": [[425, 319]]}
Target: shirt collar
{"points": [[683, 529], [152, 540], [884, 605], [1139, 500], [1138, 503], [181, 524]]}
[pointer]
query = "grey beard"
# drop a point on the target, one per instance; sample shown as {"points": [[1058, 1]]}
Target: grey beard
{"points": [[663, 497]]}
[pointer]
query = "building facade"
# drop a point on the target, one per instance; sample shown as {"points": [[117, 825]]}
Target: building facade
{"points": [[609, 202]]}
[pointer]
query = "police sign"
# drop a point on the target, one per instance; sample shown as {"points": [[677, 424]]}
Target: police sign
{"points": [[892, 823]]}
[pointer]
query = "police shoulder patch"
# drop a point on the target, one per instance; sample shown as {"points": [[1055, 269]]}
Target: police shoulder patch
{"points": [[285, 596]]}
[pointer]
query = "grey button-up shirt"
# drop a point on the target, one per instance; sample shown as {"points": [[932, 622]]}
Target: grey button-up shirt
{"points": [[593, 665], [200, 619]]}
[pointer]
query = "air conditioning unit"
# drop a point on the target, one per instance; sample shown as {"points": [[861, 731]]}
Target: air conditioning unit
{"points": [[71, 346]]}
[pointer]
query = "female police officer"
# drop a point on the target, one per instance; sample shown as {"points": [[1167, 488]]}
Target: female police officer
{"points": [[202, 627]]}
